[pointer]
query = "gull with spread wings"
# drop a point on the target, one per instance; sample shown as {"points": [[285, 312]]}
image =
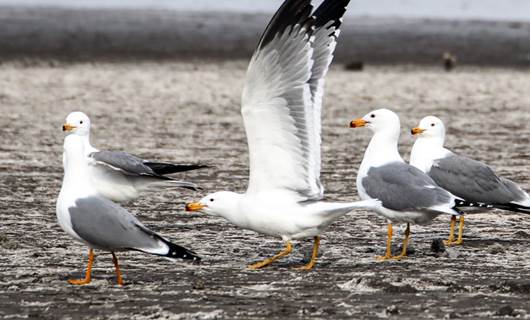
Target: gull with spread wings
{"points": [[281, 108]]}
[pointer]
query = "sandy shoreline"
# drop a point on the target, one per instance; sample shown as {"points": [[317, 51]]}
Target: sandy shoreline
{"points": [[190, 112], [117, 34]]}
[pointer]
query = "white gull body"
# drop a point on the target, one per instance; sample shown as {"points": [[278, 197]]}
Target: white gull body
{"points": [[120, 176], [281, 109], [466, 178], [98, 222], [406, 194]]}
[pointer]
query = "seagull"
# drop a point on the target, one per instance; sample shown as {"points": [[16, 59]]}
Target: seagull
{"points": [[100, 223], [464, 177], [406, 194], [281, 108], [120, 176]]}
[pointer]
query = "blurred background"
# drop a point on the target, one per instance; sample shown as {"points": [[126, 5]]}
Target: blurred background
{"points": [[485, 32]]}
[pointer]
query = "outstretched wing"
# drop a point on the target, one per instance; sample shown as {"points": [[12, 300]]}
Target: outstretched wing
{"points": [[327, 29], [281, 111]]}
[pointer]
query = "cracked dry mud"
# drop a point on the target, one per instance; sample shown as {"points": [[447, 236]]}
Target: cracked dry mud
{"points": [[190, 112]]}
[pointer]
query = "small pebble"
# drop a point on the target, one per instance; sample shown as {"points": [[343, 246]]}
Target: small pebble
{"points": [[496, 248], [506, 310], [437, 246], [392, 310]]}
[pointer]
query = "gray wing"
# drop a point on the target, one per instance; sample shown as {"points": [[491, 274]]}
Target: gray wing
{"points": [[402, 187], [125, 162], [106, 225], [474, 181], [117, 169]]}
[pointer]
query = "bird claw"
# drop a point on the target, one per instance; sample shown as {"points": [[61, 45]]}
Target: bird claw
{"points": [[305, 267], [79, 282]]}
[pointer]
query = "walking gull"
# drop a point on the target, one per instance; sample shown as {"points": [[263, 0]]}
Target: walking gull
{"points": [[120, 176], [466, 178], [100, 223], [281, 108], [407, 195]]}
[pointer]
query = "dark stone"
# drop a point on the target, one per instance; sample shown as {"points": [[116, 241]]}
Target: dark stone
{"points": [[198, 284], [453, 315], [354, 66], [518, 286], [392, 310], [437, 246], [506, 310], [522, 234], [400, 289]]}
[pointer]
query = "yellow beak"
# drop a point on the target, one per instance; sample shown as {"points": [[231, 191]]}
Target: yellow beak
{"points": [[68, 127], [358, 123], [417, 130], [195, 206]]}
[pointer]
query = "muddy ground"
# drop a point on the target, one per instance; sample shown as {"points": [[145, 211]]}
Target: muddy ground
{"points": [[190, 112]]}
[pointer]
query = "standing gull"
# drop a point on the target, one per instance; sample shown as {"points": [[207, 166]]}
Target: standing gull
{"points": [[100, 223], [464, 177], [407, 195], [120, 176], [281, 108]]}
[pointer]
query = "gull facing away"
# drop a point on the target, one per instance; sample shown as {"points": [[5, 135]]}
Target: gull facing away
{"points": [[281, 108], [120, 176], [466, 178], [100, 223], [406, 194]]}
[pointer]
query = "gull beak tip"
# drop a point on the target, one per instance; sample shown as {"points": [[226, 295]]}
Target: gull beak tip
{"points": [[416, 131], [358, 123], [68, 127], [194, 206]]}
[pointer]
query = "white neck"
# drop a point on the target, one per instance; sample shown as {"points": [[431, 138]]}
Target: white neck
{"points": [[76, 172], [425, 150], [88, 147], [382, 149]]}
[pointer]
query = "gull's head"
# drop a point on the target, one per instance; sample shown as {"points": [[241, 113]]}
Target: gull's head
{"points": [[378, 120], [429, 127], [77, 123], [223, 203]]}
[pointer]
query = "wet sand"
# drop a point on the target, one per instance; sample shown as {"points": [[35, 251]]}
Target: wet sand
{"points": [[190, 112]]}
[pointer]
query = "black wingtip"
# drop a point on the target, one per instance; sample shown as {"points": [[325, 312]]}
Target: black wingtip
{"points": [[178, 252], [503, 206], [330, 10], [290, 13], [512, 207], [470, 204], [163, 168]]}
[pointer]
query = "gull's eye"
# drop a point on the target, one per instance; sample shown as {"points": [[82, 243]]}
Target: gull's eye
{"points": [[211, 200], [432, 124], [81, 122], [372, 115]]}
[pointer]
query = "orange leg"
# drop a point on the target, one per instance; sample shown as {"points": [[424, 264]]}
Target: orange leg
{"points": [[314, 255], [388, 254], [405, 244], [451, 239], [460, 232], [87, 278], [266, 262], [117, 267]]}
